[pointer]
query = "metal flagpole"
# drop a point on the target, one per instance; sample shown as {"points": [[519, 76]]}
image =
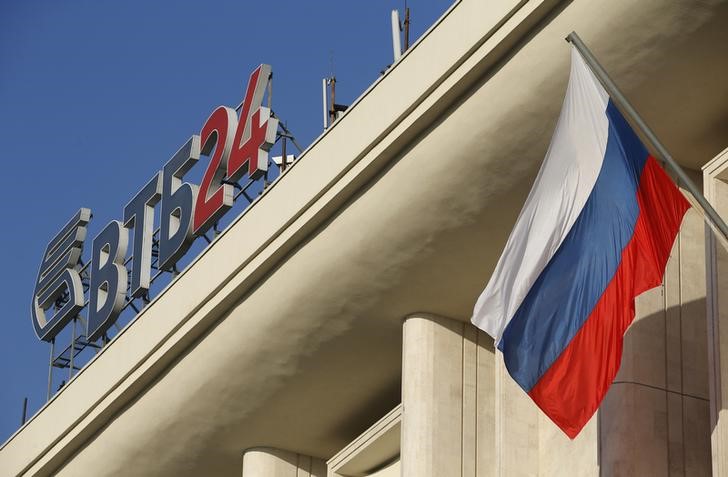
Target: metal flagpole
{"points": [[703, 206]]}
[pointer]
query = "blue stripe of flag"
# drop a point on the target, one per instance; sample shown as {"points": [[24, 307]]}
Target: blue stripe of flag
{"points": [[566, 292]]}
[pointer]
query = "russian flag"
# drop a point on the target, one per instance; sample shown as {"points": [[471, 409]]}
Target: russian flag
{"points": [[596, 231]]}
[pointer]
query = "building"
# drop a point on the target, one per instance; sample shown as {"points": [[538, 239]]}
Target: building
{"points": [[325, 332]]}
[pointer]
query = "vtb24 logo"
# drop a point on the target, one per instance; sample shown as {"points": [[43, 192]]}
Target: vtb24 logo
{"points": [[235, 147]]}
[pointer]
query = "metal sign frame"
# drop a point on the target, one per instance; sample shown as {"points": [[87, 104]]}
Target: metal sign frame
{"points": [[240, 165]]}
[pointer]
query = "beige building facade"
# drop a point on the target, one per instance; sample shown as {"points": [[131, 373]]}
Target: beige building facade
{"points": [[326, 332]]}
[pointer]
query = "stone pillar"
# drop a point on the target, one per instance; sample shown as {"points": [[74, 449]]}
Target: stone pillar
{"points": [[448, 417], [715, 176], [529, 444], [269, 462], [654, 420], [464, 416], [517, 419]]}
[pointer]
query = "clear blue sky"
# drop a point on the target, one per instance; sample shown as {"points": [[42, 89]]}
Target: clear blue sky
{"points": [[95, 96]]}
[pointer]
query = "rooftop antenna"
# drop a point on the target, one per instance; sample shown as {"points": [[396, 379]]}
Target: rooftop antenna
{"points": [[396, 35], [397, 28], [325, 97], [332, 110], [25, 411], [406, 26]]}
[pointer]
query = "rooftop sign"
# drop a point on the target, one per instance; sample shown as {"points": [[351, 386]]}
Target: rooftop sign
{"points": [[237, 146]]}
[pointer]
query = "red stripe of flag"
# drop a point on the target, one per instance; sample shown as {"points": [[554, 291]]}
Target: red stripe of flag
{"points": [[571, 390]]}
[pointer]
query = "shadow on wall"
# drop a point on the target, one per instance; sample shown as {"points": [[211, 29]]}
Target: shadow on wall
{"points": [[655, 419]]}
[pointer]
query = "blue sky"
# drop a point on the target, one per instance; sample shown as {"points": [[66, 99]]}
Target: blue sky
{"points": [[95, 96]]}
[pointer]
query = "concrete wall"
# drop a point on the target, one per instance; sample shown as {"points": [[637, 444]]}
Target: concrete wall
{"points": [[529, 444], [715, 176], [655, 418]]}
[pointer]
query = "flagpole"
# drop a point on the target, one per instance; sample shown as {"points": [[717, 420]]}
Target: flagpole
{"points": [[710, 215]]}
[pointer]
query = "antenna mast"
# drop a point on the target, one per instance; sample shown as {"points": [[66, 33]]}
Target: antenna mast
{"points": [[406, 26], [332, 110], [397, 28], [396, 35]]}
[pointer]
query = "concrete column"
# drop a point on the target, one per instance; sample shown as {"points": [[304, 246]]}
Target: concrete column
{"points": [[655, 418], [517, 446], [448, 418], [529, 444], [269, 462], [464, 416], [718, 339], [715, 175]]}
